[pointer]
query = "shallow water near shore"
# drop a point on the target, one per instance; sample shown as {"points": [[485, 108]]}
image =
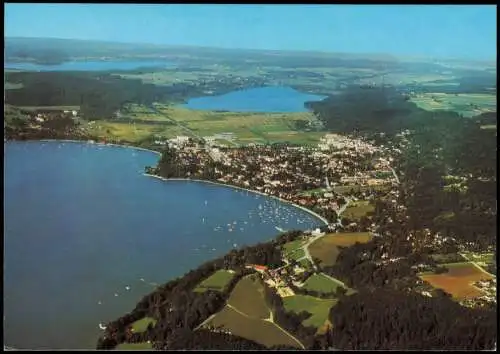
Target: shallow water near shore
{"points": [[87, 235]]}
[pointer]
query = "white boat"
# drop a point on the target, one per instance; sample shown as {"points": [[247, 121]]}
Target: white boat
{"points": [[279, 229], [127, 288], [101, 326]]}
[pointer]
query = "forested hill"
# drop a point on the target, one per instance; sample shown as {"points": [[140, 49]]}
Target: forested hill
{"points": [[98, 95]]}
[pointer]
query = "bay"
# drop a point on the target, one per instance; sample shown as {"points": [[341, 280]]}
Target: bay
{"points": [[82, 223]]}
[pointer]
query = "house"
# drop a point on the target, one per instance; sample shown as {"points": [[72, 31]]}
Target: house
{"points": [[259, 268]]}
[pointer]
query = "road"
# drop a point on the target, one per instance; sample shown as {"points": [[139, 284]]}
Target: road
{"points": [[311, 240], [395, 175], [153, 108]]}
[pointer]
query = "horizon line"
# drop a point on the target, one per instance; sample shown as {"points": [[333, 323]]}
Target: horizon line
{"points": [[394, 56]]}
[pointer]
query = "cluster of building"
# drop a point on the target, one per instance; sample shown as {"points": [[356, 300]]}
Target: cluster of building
{"points": [[286, 171]]}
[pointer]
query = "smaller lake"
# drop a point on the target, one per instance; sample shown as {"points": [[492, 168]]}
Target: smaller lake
{"points": [[263, 99], [92, 65]]}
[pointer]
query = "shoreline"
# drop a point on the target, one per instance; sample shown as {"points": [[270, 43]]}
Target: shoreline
{"points": [[95, 143], [244, 189]]}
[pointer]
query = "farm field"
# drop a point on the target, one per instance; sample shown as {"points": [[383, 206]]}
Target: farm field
{"points": [[318, 308], [216, 281], [326, 248], [457, 281], [293, 250], [169, 120], [356, 210], [134, 346], [132, 132], [142, 324], [248, 297], [256, 329], [321, 283], [468, 105]]}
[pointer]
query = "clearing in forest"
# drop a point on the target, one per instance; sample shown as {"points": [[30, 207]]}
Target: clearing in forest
{"points": [[142, 324], [318, 308], [356, 210], [458, 280], [217, 281], [326, 248]]}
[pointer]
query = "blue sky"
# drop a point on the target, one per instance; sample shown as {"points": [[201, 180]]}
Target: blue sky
{"points": [[455, 31]]}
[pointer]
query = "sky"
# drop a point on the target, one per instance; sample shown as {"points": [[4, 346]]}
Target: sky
{"points": [[435, 31]]}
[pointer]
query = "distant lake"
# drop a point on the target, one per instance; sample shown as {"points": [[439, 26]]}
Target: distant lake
{"points": [[262, 99], [95, 65], [82, 222]]}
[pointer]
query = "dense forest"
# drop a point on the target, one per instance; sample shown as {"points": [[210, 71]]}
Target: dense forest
{"points": [[394, 320], [99, 96]]}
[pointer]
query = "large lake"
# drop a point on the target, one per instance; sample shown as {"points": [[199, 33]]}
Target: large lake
{"points": [[261, 99], [82, 222], [92, 65]]}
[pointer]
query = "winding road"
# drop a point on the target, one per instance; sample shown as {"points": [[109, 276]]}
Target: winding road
{"points": [[315, 238]]}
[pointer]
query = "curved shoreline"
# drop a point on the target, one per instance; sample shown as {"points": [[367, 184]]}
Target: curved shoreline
{"points": [[99, 144], [244, 189]]}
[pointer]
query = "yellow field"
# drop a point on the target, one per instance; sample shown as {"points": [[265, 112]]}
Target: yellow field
{"points": [[326, 248]]}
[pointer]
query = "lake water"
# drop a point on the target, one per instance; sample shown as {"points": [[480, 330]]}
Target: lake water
{"points": [[94, 65], [82, 222], [262, 99]]}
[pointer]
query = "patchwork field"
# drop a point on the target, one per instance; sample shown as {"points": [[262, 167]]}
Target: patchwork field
{"points": [[318, 308], [142, 324], [246, 314], [321, 283], [216, 281], [468, 105], [255, 329], [139, 122], [356, 210], [134, 346], [132, 132], [457, 281], [326, 248], [248, 297]]}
